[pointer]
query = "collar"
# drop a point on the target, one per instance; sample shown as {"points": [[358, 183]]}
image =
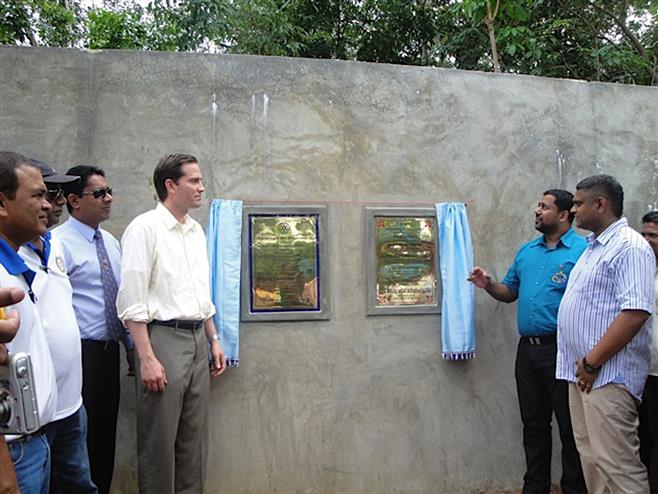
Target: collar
{"points": [[82, 228], [566, 239], [14, 265], [170, 220], [608, 233], [44, 254]]}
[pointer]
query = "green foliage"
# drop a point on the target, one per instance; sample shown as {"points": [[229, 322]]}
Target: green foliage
{"points": [[605, 40], [33, 21], [57, 24], [266, 27], [15, 22], [121, 29]]}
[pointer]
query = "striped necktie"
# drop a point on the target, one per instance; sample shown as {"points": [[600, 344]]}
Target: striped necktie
{"points": [[110, 289]]}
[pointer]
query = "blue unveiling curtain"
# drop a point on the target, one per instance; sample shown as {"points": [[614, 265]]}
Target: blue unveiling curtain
{"points": [[224, 234], [456, 262]]}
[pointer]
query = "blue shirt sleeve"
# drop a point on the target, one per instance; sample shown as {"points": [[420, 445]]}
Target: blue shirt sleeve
{"points": [[512, 277]]}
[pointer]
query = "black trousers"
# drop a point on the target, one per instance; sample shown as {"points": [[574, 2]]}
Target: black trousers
{"points": [[541, 395], [649, 431], [100, 394]]}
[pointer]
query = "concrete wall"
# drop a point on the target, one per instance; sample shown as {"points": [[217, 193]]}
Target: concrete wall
{"points": [[354, 404]]}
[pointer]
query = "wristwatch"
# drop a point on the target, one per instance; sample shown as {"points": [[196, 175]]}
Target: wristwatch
{"points": [[589, 368], [214, 337]]}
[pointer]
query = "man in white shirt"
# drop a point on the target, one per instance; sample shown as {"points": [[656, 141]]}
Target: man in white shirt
{"points": [[67, 433], [649, 407], [164, 300], [23, 216]]}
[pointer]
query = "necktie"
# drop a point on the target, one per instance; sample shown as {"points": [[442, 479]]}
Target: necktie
{"points": [[110, 288]]}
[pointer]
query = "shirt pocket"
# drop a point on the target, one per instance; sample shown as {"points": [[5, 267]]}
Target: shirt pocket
{"points": [[558, 275]]}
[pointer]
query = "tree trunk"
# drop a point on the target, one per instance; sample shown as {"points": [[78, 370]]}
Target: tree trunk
{"points": [[491, 17]]}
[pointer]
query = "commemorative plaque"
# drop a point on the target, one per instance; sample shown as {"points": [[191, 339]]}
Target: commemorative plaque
{"points": [[285, 272], [403, 261]]}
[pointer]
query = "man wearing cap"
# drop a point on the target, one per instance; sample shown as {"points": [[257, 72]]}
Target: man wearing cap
{"points": [[165, 300], [67, 434], [92, 259], [23, 215]]}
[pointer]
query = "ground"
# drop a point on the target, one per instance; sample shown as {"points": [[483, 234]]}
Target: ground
{"points": [[554, 490]]}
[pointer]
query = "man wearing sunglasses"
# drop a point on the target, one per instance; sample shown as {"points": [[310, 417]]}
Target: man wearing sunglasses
{"points": [[67, 433], [92, 258]]}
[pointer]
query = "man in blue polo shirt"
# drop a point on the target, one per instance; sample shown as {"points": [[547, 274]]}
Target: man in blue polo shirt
{"points": [[23, 215], [538, 278]]}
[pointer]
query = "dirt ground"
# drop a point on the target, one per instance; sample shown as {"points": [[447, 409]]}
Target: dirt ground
{"points": [[554, 490]]}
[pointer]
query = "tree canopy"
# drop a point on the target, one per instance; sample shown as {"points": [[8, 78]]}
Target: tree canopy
{"points": [[599, 40]]}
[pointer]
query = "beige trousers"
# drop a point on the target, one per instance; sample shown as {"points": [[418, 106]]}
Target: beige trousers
{"points": [[605, 424], [172, 426]]}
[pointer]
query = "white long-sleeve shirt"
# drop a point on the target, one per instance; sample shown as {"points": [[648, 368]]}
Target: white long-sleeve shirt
{"points": [[164, 270]]}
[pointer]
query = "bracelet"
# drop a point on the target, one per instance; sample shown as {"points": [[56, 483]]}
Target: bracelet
{"points": [[214, 337], [589, 368]]}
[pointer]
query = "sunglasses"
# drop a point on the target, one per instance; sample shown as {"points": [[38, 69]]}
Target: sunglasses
{"points": [[54, 194], [98, 193]]}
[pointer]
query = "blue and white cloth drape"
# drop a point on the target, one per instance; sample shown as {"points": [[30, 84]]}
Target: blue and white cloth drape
{"points": [[224, 253], [456, 263]]}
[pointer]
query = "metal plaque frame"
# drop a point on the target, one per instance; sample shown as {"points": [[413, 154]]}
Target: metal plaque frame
{"points": [[371, 265], [320, 289]]}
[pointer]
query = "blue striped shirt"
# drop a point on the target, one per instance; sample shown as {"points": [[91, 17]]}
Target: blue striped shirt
{"points": [[615, 273]]}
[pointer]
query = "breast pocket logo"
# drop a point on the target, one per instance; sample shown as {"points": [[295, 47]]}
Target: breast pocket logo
{"points": [[560, 278], [60, 264]]}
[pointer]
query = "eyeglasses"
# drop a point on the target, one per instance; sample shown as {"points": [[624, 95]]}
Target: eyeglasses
{"points": [[98, 193], [649, 235], [54, 194]]}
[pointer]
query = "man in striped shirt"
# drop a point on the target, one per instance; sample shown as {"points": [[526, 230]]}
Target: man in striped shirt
{"points": [[603, 339]]}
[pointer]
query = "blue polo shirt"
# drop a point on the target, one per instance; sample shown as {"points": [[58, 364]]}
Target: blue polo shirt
{"points": [[539, 276]]}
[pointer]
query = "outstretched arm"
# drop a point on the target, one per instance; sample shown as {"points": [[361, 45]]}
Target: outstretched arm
{"points": [[500, 291]]}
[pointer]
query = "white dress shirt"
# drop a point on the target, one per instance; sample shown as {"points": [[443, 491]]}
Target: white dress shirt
{"points": [[164, 271]]}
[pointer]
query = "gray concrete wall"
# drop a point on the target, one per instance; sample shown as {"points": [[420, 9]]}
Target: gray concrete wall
{"points": [[354, 404]]}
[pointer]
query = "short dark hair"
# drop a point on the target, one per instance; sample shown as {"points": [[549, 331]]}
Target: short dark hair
{"points": [[9, 162], [84, 172], [608, 187], [650, 217], [169, 167], [563, 200]]}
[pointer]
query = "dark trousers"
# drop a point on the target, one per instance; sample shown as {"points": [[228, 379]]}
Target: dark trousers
{"points": [[541, 395], [649, 431], [69, 458], [100, 394]]}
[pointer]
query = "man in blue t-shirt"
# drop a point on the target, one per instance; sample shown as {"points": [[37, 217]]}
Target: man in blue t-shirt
{"points": [[538, 278]]}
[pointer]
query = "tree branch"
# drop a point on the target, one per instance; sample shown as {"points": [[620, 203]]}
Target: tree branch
{"points": [[635, 42]]}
